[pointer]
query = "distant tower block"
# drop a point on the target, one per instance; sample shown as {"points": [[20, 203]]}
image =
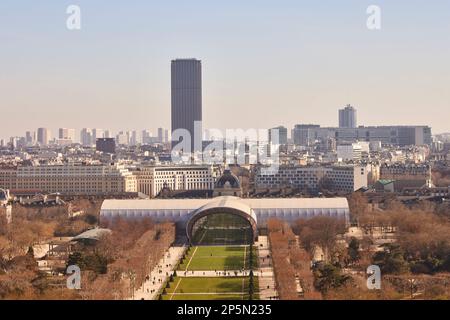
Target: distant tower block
{"points": [[347, 117], [187, 98]]}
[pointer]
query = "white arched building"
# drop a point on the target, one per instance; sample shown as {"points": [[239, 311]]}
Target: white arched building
{"points": [[185, 212]]}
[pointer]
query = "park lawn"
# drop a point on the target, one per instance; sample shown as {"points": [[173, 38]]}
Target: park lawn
{"points": [[221, 237], [210, 288], [217, 258], [222, 229], [208, 285]]}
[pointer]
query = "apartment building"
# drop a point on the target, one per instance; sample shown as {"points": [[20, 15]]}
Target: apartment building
{"points": [[406, 175], [70, 179], [306, 135], [352, 151], [313, 179], [151, 180]]}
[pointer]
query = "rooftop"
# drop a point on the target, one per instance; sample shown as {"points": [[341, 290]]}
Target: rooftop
{"points": [[192, 204]]}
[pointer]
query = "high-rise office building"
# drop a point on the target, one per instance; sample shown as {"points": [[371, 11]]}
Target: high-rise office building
{"points": [[66, 134], [86, 137], [107, 134], [123, 138], [304, 135], [97, 134], [166, 136], [187, 99], [146, 136], [43, 136], [282, 135], [347, 117], [160, 135], [133, 138], [29, 138]]}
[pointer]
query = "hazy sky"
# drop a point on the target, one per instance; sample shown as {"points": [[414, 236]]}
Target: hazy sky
{"points": [[265, 63]]}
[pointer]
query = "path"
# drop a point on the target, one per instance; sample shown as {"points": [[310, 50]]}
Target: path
{"points": [[265, 273], [159, 274], [190, 260]]}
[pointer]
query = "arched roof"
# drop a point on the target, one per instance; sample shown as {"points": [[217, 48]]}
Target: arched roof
{"points": [[229, 202], [225, 204]]}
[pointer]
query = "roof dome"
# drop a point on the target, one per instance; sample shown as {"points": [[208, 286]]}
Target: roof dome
{"points": [[228, 180]]}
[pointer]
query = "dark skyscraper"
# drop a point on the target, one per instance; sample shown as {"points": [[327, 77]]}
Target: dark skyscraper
{"points": [[347, 117], [106, 145], [187, 98]]}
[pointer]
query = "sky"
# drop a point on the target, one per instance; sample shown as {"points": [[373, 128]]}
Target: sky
{"points": [[265, 63]]}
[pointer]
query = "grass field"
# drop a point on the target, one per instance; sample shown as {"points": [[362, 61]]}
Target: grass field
{"points": [[217, 288], [218, 258], [222, 236]]}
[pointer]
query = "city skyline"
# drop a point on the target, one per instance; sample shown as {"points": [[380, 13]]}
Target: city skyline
{"points": [[291, 58], [88, 136]]}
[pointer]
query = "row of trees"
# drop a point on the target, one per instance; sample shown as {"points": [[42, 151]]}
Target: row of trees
{"points": [[290, 262], [284, 272]]}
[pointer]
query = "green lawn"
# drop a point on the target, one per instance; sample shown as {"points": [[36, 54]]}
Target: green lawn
{"points": [[222, 229], [218, 258], [217, 288], [222, 236]]}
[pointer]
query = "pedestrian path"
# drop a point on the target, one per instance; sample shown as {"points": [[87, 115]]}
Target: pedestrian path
{"points": [[266, 278], [160, 273]]}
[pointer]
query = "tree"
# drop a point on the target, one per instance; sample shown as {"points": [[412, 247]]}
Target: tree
{"points": [[391, 260], [329, 276], [30, 252], [280, 239], [320, 231], [76, 259], [358, 204], [3, 223], [353, 250], [251, 285]]}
